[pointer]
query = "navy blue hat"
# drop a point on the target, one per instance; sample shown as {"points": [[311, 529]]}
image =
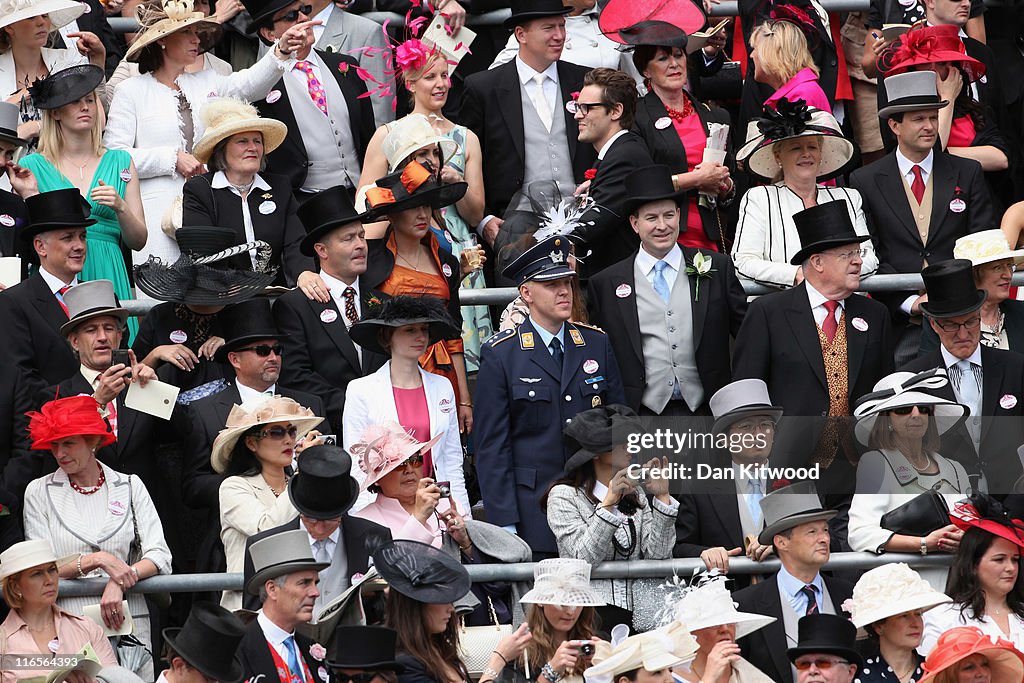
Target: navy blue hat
{"points": [[546, 260]]}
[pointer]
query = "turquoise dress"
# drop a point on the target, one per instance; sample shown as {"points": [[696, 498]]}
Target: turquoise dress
{"points": [[476, 320], [103, 259]]}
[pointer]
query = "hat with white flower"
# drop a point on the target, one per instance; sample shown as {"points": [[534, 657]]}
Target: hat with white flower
{"points": [[890, 590], [985, 247], [562, 581], [709, 603], [385, 447], [653, 651]]}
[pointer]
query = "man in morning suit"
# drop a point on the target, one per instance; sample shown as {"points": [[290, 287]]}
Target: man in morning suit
{"points": [[12, 204], [918, 201], [989, 381], [322, 358], [518, 112], [329, 124], [285, 579], [669, 329], [538, 376], [796, 525], [721, 518]]}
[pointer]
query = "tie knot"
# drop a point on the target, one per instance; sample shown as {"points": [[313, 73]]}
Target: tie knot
{"points": [[810, 590], [304, 66], [831, 306], [755, 486], [916, 170], [660, 266], [539, 79], [64, 290], [555, 344], [349, 293]]}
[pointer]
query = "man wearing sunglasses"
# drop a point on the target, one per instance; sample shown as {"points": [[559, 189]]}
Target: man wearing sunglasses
{"points": [[826, 651], [364, 654], [989, 381]]}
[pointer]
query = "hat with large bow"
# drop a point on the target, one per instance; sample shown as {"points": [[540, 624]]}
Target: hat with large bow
{"points": [[422, 572], [562, 581], [904, 389], [653, 651], [929, 45], [988, 514], [385, 447], [244, 417]]}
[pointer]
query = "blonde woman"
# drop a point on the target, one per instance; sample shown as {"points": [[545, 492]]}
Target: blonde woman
{"points": [[783, 61]]}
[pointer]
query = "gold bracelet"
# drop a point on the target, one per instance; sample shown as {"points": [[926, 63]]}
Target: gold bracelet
{"points": [[468, 405]]}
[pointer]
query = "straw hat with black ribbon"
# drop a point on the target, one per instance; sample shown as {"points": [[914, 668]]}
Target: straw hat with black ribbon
{"points": [[905, 389], [173, 16], [226, 116]]}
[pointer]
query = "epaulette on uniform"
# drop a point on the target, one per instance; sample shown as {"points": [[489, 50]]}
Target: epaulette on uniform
{"points": [[499, 337], [595, 328]]}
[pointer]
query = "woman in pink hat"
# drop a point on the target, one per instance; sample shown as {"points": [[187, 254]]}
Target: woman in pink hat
{"points": [[967, 654]]}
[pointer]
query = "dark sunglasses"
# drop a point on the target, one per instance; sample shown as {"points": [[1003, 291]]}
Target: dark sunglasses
{"points": [[294, 14], [822, 664], [278, 433], [263, 350], [365, 677], [415, 460], [906, 410]]}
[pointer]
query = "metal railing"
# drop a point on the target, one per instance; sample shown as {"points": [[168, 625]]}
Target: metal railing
{"points": [[186, 583]]}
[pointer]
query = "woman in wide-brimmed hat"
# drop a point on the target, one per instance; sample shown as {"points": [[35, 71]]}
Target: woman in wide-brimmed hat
{"points": [[105, 519], [797, 148], [156, 115], [985, 581], [902, 421], [655, 652], [402, 328], [968, 653], [29, 574], [887, 604], [256, 449], [71, 154]]}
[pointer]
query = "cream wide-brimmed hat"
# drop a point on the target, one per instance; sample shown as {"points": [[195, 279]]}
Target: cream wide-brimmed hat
{"points": [[28, 554], [226, 116], [411, 133], [890, 590], [985, 247], [562, 581], [710, 604], [902, 389], [61, 12], [794, 120], [654, 650], [175, 15], [383, 448], [246, 416]]}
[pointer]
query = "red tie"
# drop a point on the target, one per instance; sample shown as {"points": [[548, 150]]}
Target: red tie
{"points": [[829, 325], [917, 187], [60, 298]]}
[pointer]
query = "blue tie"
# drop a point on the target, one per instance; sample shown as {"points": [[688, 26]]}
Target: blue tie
{"points": [[660, 284], [293, 658], [754, 501], [556, 351]]}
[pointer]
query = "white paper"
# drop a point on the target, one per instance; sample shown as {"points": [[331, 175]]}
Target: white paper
{"points": [[454, 46], [93, 612], [156, 398], [10, 270]]}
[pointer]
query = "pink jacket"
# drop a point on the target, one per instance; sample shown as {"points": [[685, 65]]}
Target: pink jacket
{"points": [[802, 86]]}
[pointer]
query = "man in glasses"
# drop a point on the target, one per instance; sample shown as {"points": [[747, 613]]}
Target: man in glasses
{"points": [[364, 654], [826, 651], [989, 381]]}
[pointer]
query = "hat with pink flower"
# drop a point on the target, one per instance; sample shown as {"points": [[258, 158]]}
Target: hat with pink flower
{"points": [[384, 448]]}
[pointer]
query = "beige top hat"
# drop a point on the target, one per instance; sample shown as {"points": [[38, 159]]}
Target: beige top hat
{"points": [[890, 590], [710, 604], [28, 554], [562, 581], [791, 506], [90, 300], [986, 246], [61, 12], [654, 650], [411, 133], [174, 16], [244, 417], [226, 116]]}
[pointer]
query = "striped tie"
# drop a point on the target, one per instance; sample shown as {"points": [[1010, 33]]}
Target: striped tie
{"points": [[812, 602]]}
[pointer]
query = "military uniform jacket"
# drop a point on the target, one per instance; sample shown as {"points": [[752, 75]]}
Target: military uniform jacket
{"points": [[518, 422]]}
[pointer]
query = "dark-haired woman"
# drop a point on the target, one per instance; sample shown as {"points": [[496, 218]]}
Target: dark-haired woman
{"points": [[985, 580], [256, 449], [599, 513]]}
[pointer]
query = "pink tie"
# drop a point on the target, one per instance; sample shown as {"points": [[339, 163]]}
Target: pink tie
{"points": [[316, 90]]}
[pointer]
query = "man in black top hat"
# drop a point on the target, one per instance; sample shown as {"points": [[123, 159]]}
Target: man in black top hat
{"points": [[12, 206], [204, 649], [826, 651], [518, 112], [989, 381], [670, 327], [322, 359], [323, 491], [364, 650]]}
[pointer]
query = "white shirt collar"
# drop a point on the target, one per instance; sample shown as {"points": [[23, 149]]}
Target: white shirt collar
{"points": [[89, 374], [950, 360], [337, 287], [274, 634], [817, 298], [526, 72], [55, 283], [247, 394], [220, 181], [646, 261], [906, 164], [333, 538], [611, 141], [324, 15]]}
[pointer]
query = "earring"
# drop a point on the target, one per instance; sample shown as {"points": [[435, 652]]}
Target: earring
{"points": [[163, 47], [890, 427]]}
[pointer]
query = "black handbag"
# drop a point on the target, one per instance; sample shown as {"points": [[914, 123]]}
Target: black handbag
{"points": [[919, 516]]}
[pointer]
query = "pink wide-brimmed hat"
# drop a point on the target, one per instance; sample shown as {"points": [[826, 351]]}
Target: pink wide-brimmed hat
{"points": [[384, 448]]}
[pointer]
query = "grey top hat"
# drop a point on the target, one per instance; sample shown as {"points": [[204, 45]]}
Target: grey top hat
{"points": [[280, 554], [739, 399], [791, 506], [91, 300], [9, 125], [911, 91]]}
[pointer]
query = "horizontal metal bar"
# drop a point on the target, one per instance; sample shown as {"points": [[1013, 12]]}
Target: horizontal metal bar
{"points": [[186, 583]]}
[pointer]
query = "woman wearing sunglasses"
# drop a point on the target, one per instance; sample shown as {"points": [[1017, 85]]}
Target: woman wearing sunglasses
{"points": [[256, 450], [901, 420]]}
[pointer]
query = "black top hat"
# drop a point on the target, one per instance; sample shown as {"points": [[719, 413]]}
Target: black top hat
{"points": [[525, 10], [822, 227], [828, 634], [262, 12], [9, 125], [422, 572], [650, 184], [324, 212], [208, 641], [364, 647], [323, 487], [653, 32], [55, 210], [546, 260], [249, 321], [951, 289], [399, 311], [65, 86], [414, 185], [597, 431]]}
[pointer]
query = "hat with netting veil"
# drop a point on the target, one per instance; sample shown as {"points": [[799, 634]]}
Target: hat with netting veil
{"points": [[562, 581]]}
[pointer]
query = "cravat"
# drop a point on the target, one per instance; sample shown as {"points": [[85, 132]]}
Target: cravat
{"points": [[660, 284], [294, 668], [754, 500], [917, 187], [350, 305], [316, 90], [812, 603], [540, 101], [967, 386], [320, 551], [829, 325], [60, 298], [556, 351]]}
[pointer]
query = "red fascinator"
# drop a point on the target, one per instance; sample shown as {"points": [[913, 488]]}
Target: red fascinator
{"points": [[986, 513], [930, 45], [64, 417], [957, 644]]}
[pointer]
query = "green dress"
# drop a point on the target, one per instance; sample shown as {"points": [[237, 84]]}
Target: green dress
{"points": [[103, 259]]}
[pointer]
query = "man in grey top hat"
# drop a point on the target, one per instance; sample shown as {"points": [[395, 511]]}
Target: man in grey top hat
{"points": [[796, 525]]}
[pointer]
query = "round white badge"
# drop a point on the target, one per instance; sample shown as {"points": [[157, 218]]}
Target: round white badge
{"points": [[125, 175], [116, 507], [179, 336], [860, 324], [623, 290], [447, 270], [273, 96], [445, 405], [590, 366], [663, 123], [328, 315], [267, 207], [1007, 401], [6, 220], [322, 673], [958, 205]]}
